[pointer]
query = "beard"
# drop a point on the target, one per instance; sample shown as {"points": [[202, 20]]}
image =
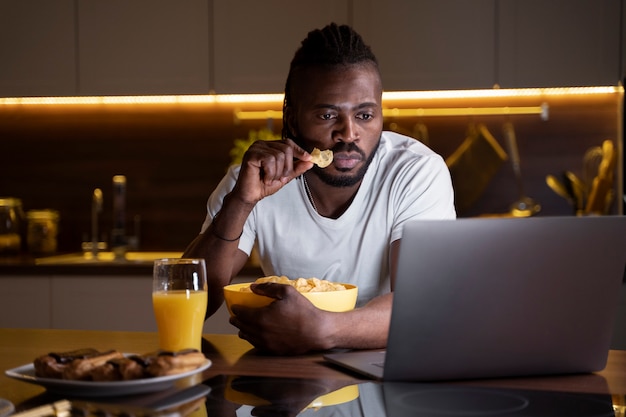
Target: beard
{"points": [[345, 178]]}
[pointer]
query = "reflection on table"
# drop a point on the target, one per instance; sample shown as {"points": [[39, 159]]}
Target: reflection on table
{"points": [[238, 396], [242, 382]]}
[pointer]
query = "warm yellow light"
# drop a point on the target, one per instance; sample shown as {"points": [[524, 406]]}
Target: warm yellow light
{"points": [[468, 111], [499, 93], [186, 99], [421, 112], [250, 98], [278, 98], [258, 115]]}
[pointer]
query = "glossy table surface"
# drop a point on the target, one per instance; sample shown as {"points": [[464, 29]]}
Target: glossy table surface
{"points": [[233, 358]]}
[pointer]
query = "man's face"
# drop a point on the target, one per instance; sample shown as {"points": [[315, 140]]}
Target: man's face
{"points": [[338, 109]]}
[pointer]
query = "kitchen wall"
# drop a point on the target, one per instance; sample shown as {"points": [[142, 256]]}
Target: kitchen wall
{"points": [[174, 154], [172, 158]]}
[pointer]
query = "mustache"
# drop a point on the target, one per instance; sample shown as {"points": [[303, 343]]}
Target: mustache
{"points": [[339, 147], [347, 147]]}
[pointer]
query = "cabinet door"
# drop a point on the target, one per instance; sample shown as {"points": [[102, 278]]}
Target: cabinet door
{"points": [[122, 303], [558, 43], [427, 45], [25, 302], [37, 48], [143, 47], [255, 40]]}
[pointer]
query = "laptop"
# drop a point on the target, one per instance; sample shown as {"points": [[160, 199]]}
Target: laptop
{"points": [[500, 297]]}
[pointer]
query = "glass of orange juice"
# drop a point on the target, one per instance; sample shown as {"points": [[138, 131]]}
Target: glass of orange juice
{"points": [[179, 299]]}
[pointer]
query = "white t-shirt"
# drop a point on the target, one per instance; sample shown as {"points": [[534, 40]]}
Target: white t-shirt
{"points": [[406, 180]]}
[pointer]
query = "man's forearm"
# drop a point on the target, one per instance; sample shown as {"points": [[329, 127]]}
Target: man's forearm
{"points": [[366, 327], [218, 245]]}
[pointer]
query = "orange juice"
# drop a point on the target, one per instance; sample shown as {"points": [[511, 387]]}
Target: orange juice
{"points": [[180, 318]]}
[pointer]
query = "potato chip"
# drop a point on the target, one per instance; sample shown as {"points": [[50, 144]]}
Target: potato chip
{"points": [[301, 284], [322, 158]]}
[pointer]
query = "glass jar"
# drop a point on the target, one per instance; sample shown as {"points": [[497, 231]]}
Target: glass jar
{"points": [[11, 225], [43, 228]]}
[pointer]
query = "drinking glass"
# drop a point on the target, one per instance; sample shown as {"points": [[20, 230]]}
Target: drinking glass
{"points": [[179, 299]]}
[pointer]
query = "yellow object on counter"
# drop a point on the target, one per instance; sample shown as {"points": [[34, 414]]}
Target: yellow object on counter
{"points": [[337, 301], [43, 228], [601, 192]]}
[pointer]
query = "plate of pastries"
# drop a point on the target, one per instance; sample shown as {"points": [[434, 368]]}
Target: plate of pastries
{"points": [[93, 373]]}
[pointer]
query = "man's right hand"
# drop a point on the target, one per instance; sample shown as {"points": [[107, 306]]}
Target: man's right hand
{"points": [[267, 166]]}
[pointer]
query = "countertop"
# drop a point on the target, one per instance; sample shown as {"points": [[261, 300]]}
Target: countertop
{"points": [[294, 381], [28, 265]]}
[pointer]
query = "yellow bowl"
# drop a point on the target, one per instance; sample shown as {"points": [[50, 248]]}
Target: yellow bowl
{"points": [[337, 301]]}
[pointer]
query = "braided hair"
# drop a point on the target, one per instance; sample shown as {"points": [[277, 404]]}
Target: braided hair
{"points": [[330, 47]]}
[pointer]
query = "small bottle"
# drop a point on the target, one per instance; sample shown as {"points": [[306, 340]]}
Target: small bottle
{"points": [[12, 226], [118, 234], [43, 228]]}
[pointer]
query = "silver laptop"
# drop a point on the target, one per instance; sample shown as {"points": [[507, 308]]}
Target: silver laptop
{"points": [[499, 297]]}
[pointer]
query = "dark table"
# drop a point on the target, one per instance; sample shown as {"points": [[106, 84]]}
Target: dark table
{"points": [[298, 380]]}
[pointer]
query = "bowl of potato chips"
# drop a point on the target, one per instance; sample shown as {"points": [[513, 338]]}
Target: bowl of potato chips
{"points": [[325, 295]]}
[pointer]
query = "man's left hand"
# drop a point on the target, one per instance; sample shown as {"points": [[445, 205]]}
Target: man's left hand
{"points": [[290, 325]]}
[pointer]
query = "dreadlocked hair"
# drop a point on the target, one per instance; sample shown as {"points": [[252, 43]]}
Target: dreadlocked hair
{"points": [[329, 47]]}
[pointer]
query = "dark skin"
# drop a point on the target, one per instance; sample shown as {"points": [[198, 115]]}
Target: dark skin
{"points": [[332, 109]]}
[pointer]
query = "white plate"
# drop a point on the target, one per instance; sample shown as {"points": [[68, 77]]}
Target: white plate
{"points": [[6, 407], [26, 373]]}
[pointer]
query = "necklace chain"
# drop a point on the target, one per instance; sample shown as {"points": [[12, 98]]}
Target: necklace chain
{"points": [[308, 193]]}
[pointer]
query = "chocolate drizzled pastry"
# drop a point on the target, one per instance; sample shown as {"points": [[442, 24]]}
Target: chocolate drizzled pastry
{"points": [[171, 363], [90, 364], [53, 364], [82, 369], [121, 369]]}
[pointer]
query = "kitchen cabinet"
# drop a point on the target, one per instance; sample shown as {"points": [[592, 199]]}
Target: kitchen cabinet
{"points": [[121, 303], [25, 301], [558, 43], [622, 72], [103, 302], [453, 44], [37, 48], [143, 47], [619, 335], [113, 303], [255, 40], [430, 45], [76, 302]]}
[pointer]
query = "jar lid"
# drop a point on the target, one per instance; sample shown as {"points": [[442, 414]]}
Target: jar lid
{"points": [[43, 214]]}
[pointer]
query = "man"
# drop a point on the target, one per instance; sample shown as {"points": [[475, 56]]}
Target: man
{"points": [[342, 223]]}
